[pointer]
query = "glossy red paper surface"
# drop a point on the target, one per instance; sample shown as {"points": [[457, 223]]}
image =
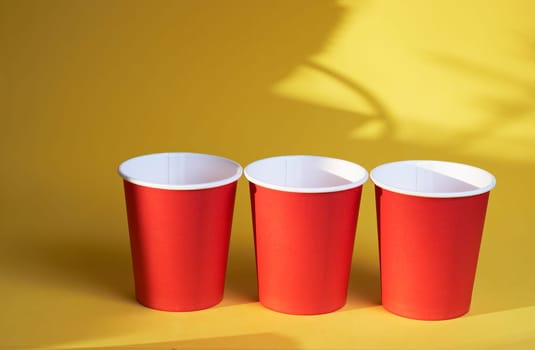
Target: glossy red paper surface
{"points": [[429, 249], [179, 242], [304, 245]]}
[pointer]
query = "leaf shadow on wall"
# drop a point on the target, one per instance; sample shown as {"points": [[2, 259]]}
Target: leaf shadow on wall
{"points": [[504, 111], [508, 130]]}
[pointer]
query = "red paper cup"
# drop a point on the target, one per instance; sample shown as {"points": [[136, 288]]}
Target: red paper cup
{"points": [[305, 211], [430, 217], [179, 208]]}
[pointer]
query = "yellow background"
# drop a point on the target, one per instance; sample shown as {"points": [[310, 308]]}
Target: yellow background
{"points": [[85, 85]]}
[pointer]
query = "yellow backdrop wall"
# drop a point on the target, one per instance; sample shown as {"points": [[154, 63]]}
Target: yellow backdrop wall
{"points": [[85, 85]]}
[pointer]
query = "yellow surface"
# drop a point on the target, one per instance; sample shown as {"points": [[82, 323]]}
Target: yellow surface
{"points": [[85, 85]]}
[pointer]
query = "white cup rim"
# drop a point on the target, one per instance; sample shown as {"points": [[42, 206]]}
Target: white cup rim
{"points": [[477, 180], [131, 177], [359, 174]]}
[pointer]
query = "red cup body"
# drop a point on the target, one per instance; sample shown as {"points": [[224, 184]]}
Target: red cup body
{"points": [[429, 249], [179, 242], [304, 245]]}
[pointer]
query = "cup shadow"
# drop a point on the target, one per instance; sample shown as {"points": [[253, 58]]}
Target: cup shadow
{"points": [[79, 260], [364, 288], [245, 341], [241, 279]]}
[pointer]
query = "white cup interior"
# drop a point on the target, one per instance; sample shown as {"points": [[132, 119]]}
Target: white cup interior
{"points": [[180, 171], [306, 174], [431, 178]]}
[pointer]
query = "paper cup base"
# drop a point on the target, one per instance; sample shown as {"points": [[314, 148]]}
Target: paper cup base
{"points": [[180, 308], [302, 312], [426, 316]]}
